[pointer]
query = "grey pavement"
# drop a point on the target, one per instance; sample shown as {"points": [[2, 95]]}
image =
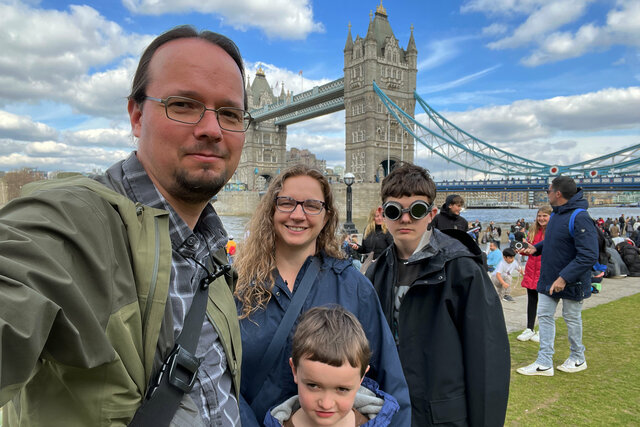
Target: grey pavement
{"points": [[515, 313]]}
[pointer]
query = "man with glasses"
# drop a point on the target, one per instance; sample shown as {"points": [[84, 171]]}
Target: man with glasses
{"points": [[442, 309], [98, 276], [569, 251]]}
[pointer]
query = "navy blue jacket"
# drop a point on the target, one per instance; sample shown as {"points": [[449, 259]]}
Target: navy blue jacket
{"points": [[382, 417], [569, 257], [337, 283]]}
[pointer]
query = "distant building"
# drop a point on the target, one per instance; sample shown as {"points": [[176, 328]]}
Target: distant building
{"points": [[303, 156]]}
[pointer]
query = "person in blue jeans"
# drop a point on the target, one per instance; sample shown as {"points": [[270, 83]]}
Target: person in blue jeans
{"points": [[568, 253]]}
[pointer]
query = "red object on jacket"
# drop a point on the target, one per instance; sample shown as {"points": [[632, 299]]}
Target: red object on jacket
{"points": [[532, 268]]}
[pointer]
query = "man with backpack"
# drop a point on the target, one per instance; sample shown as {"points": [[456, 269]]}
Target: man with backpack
{"points": [[569, 251]]}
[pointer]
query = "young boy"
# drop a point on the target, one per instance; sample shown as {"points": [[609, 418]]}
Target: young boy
{"points": [[494, 257], [442, 309], [330, 355], [502, 277]]}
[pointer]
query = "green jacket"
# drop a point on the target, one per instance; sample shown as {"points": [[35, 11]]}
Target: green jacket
{"points": [[78, 342]]}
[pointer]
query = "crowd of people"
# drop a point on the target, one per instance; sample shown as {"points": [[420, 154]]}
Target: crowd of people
{"points": [[119, 305]]}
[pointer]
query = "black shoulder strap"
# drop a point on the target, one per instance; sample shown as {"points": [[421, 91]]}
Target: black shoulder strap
{"points": [[180, 369], [281, 334]]}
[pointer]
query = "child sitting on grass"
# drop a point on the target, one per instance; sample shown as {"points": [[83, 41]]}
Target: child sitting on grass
{"points": [[330, 356]]}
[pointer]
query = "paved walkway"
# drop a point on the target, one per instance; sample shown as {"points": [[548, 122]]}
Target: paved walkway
{"points": [[515, 313]]}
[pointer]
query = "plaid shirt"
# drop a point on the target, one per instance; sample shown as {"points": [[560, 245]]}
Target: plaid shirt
{"points": [[213, 391]]}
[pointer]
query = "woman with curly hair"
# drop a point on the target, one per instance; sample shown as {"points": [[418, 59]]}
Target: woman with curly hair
{"points": [[293, 232]]}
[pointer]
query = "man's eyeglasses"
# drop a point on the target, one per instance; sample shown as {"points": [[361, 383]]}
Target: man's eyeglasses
{"points": [[190, 111], [309, 206], [551, 191], [394, 210]]}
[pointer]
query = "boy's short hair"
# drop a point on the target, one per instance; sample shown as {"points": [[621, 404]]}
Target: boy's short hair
{"points": [[509, 252], [331, 335], [408, 180]]}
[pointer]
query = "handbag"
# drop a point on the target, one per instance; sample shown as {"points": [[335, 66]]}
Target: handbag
{"points": [[281, 334]]}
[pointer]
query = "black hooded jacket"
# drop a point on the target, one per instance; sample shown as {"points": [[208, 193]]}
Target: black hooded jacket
{"points": [[446, 220], [451, 332]]}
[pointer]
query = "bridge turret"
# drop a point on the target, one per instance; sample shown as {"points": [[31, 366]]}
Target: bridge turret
{"points": [[412, 51]]}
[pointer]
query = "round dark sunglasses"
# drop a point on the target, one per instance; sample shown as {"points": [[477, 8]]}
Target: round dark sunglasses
{"points": [[394, 210]]}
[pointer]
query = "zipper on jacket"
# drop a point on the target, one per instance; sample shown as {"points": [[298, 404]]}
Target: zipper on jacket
{"points": [[154, 278]]}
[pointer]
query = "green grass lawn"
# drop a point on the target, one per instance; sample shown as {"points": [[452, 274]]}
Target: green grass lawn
{"points": [[606, 394]]}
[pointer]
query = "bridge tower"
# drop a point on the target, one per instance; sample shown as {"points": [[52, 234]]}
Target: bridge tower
{"points": [[373, 140], [264, 150]]}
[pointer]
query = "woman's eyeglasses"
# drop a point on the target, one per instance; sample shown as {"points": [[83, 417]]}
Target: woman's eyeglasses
{"points": [[394, 210], [309, 206]]}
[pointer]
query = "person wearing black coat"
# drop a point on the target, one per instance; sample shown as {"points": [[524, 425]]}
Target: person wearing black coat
{"points": [[376, 237], [449, 216], [631, 257], [442, 309]]}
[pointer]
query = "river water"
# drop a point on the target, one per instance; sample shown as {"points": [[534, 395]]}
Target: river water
{"points": [[235, 224]]}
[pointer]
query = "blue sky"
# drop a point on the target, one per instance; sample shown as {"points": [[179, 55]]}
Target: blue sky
{"points": [[556, 81]]}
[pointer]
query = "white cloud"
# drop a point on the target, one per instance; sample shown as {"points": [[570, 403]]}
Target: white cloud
{"points": [[526, 120], [49, 55], [24, 128], [545, 19], [287, 19], [459, 82], [439, 52], [111, 138], [494, 29], [276, 76]]}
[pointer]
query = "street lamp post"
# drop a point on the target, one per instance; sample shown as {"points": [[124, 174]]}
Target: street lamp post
{"points": [[349, 226]]}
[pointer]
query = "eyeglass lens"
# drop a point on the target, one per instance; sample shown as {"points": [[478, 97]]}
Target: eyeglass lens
{"points": [[417, 210], [190, 111], [309, 206]]}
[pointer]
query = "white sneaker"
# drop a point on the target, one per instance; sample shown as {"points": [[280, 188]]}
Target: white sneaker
{"points": [[536, 369], [526, 335], [536, 337], [571, 365]]}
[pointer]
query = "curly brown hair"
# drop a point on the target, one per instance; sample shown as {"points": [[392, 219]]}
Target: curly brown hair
{"points": [[256, 259]]}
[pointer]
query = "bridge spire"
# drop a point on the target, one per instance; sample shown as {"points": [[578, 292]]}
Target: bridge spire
{"points": [[349, 44]]}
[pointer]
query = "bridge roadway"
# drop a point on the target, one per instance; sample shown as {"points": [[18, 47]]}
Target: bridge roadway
{"points": [[316, 102], [604, 183]]}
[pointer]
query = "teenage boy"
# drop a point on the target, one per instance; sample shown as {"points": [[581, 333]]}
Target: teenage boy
{"points": [[442, 309], [502, 277], [330, 355]]}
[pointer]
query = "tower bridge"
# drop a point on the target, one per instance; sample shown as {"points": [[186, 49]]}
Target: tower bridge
{"points": [[378, 94]]}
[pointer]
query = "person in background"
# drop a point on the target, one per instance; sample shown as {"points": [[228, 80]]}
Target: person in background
{"points": [[449, 216], [231, 249], [532, 274], [568, 256], [502, 277], [494, 257], [293, 232], [376, 237]]}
